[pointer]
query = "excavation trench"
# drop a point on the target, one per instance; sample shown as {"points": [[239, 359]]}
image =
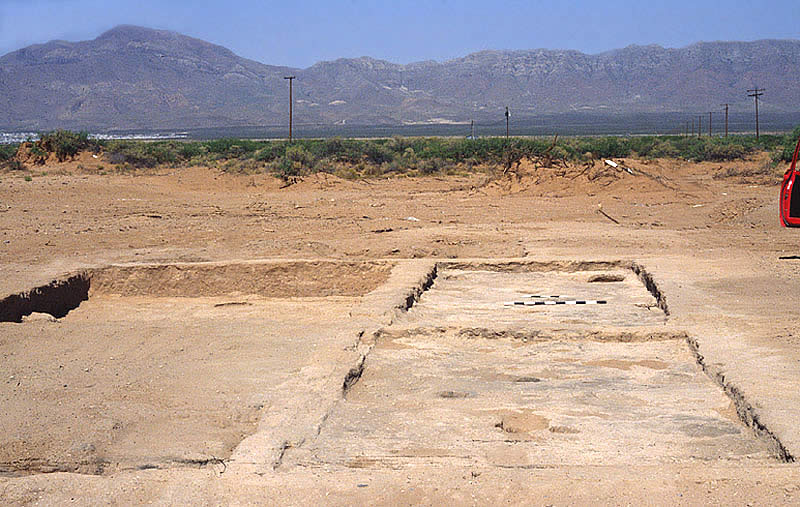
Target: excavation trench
{"points": [[164, 366], [523, 266], [474, 381], [265, 279], [472, 400], [477, 383], [744, 409], [412, 296]]}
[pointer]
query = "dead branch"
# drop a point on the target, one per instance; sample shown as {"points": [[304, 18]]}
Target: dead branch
{"points": [[608, 216]]}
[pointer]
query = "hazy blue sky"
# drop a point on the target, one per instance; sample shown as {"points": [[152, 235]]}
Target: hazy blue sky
{"points": [[300, 33]]}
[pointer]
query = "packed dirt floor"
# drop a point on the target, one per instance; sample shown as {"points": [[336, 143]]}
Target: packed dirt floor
{"points": [[548, 336]]}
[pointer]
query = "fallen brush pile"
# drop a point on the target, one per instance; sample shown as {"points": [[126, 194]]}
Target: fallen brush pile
{"points": [[547, 174]]}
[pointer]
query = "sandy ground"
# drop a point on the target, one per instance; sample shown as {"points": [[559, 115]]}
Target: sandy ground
{"points": [[208, 382]]}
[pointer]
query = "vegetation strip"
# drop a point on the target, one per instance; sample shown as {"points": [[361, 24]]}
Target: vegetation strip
{"points": [[354, 158]]}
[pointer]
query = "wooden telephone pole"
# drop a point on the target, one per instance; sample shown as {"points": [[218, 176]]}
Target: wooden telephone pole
{"points": [[508, 114], [756, 93], [726, 119], [709, 123], [699, 125], [290, 78]]}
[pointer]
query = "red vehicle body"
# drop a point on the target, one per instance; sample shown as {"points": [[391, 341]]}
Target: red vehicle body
{"points": [[789, 198]]}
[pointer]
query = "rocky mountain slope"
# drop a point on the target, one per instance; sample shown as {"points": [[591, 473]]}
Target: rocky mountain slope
{"points": [[138, 78]]}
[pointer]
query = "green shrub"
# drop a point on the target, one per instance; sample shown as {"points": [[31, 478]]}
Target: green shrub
{"points": [[285, 169], [662, 149], [323, 166], [348, 173], [782, 154], [338, 149], [785, 151], [724, 152], [398, 144], [429, 155], [272, 151], [38, 153], [231, 148], [189, 151], [431, 165], [220, 146], [300, 156], [408, 160], [64, 143], [7, 151], [288, 161], [140, 154], [608, 147], [377, 153], [559, 153]]}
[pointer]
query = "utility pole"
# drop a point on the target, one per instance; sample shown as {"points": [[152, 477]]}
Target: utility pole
{"points": [[508, 114], [692, 127], [290, 78], [472, 129], [756, 93], [726, 119], [699, 125], [709, 124]]}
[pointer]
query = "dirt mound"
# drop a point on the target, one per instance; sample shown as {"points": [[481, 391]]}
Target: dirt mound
{"points": [[27, 155], [757, 170], [30, 155], [566, 178]]}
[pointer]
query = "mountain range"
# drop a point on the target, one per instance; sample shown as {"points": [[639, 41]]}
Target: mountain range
{"points": [[138, 78]]}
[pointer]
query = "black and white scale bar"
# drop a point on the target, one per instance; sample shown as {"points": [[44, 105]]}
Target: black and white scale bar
{"points": [[542, 303], [535, 296]]}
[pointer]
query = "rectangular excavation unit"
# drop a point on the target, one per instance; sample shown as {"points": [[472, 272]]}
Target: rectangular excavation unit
{"points": [[156, 366], [478, 296], [463, 379]]}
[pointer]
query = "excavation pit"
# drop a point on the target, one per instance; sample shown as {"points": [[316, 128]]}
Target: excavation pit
{"points": [[463, 380], [193, 280], [482, 295], [161, 366], [436, 397]]}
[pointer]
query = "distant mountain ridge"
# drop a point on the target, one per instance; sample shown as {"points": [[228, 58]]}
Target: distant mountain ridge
{"points": [[139, 78]]}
